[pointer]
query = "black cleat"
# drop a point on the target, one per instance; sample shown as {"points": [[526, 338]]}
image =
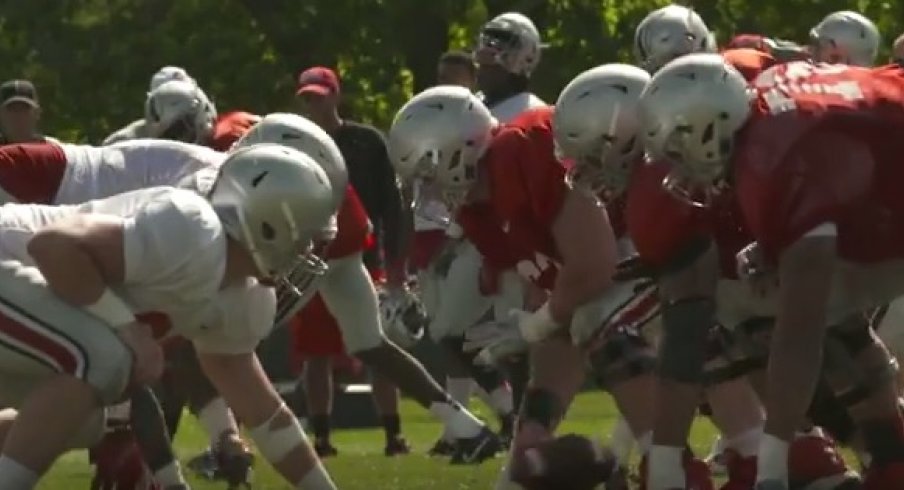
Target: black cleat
{"points": [[325, 449], [477, 449], [442, 449], [397, 446]]}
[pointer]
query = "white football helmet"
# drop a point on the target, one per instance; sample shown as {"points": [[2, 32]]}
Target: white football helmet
{"points": [[690, 112], [180, 110], [305, 136], [277, 203], [439, 135], [596, 125], [512, 41], [168, 74], [669, 32], [402, 316], [845, 37]]}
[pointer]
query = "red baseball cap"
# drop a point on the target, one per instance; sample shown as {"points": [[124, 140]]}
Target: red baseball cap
{"points": [[318, 80]]}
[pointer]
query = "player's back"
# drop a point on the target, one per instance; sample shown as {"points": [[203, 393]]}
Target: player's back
{"points": [[98, 172], [512, 107]]}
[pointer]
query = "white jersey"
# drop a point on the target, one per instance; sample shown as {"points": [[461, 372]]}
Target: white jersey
{"points": [[508, 109], [175, 257], [95, 172], [135, 130]]}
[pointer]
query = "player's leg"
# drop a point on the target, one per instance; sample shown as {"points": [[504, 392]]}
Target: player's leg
{"points": [[318, 384], [557, 374], [350, 296], [73, 359], [863, 374], [386, 401]]}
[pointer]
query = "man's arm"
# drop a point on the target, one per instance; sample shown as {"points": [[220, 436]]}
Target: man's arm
{"points": [[395, 219], [241, 380], [80, 256], [586, 245]]}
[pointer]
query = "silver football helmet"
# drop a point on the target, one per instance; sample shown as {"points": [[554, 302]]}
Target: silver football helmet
{"points": [[305, 136], [596, 126], [845, 37], [670, 32], [512, 41], [179, 110], [690, 112], [277, 203], [168, 74], [440, 135]]}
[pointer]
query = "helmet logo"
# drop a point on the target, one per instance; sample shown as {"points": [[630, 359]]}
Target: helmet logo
{"points": [[257, 180]]}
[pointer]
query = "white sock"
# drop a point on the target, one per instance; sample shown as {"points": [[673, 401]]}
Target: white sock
{"points": [[459, 421], [746, 443], [316, 479], [170, 475], [665, 468], [644, 442], [772, 459], [216, 418], [460, 389], [621, 441], [15, 476], [501, 400]]}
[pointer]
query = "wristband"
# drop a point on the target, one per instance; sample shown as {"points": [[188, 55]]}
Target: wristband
{"points": [[538, 325], [111, 309]]}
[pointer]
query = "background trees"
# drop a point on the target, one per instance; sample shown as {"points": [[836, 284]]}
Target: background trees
{"points": [[92, 59]]}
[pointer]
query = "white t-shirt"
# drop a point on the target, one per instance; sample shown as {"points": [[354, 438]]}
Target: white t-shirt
{"points": [[175, 258], [511, 107], [94, 172]]}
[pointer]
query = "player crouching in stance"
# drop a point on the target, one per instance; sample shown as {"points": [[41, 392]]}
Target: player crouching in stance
{"points": [[810, 156], [87, 289], [514, 203]]}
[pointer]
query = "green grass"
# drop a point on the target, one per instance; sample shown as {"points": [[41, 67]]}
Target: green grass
{"points": [[361, 464]]}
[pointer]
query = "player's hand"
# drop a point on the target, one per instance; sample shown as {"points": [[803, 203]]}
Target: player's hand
{"points": [[495, 342], [147, 362], [634, 268], [753, 269]]}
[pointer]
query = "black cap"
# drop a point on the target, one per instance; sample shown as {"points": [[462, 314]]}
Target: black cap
{"points": [[18, 91]]}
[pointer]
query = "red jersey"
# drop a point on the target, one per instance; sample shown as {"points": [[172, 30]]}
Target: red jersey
{"points": [[823, 145], [527, 189], [665, 229], [32, 172], [354, 231], [230, 127]]}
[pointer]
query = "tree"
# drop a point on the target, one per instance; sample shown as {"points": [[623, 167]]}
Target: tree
{"points": [[92, 59]]}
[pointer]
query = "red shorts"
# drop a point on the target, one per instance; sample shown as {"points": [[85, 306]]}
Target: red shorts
{"points": [[315, 332], [32, 172]]}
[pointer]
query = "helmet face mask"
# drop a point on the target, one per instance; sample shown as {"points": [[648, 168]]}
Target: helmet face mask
{"points": [[179, 110], [668, 33], [511, 41]]}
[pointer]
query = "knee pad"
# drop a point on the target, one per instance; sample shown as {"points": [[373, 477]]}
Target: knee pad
{"points": [[852, 382], [685, 327], [541, 407], [623, 355], [727, 358]]}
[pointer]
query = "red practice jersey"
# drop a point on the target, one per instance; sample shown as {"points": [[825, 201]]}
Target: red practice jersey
{"points": [[527, 189], [666, 230], [230, 127], [824, 146]]}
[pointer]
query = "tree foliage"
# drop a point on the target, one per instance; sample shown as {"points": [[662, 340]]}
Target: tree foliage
{"points": [[92, 59]]}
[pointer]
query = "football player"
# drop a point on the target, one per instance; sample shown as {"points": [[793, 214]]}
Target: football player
{"points": [[845, 37], [349, 295], [821, 204], [521, 213], [175, 108], [90, 288]]}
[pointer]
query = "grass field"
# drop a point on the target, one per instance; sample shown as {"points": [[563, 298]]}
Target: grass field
{"points": [[361, 464]]}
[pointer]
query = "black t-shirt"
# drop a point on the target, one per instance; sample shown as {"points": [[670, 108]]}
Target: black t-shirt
{"points": [[371, 174]]}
